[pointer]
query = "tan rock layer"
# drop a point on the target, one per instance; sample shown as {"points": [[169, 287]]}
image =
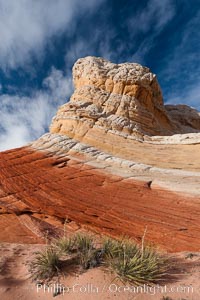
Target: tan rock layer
{"points": [[124, 99]]}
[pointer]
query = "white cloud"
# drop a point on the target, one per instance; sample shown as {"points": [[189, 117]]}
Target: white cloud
{"points": [[100, 43], [152, 20], [154, 17], [182, 68], [26, 30], [156, 14], [186, 53], [26, 118], [27, 25]]}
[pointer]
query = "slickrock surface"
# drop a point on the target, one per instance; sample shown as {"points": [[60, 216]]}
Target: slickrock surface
{"points": [[65, 185], [116, 160]]}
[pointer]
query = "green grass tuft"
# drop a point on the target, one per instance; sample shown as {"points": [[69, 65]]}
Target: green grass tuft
{"points": [[46, 264], [132, 264], [129, 261], [88, 256], [65, 245]]}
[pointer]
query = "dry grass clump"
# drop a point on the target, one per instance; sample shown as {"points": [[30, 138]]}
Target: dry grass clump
{"points": [[88, 256], [45, 265], [64, 245], [132, 263], [129, 261]]}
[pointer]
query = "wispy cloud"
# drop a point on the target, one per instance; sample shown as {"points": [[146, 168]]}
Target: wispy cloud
{"points": [[26, 118], [100, 44], [27, 25], [182, 68], [154, 16], [27, 29], [150, 21]]}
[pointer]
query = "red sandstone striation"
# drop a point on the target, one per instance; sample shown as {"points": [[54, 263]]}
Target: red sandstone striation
{"points": [[105, 165], [36, 182]]}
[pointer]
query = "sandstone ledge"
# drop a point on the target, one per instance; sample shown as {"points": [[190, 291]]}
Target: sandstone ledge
{"points": [[178, 175]]}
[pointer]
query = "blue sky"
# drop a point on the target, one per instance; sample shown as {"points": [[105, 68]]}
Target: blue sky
{"points": [[41, 40]]}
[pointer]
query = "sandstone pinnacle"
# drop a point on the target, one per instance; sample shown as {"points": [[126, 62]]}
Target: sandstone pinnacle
{"points": [[123, 99]]}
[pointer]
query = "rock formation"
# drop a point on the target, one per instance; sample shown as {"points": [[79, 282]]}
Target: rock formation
{"points": [[105, 146], [186, 118], [124, 99]]}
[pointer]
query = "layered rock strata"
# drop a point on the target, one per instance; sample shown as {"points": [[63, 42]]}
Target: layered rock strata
{"points": [[122, 99], [69, 185], [116, 161]]}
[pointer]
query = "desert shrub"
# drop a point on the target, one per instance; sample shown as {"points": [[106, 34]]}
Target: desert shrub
{"points": [[88, 256], [64, 245], [83, 242], [82, 247], [111, 248], [46, 264], [114, 248], [88, 259], [131, 263]]}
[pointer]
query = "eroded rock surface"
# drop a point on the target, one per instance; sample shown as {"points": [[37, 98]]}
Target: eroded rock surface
{"points": [[116, 160], [124, 99], [65, 186], [187, 119]]}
